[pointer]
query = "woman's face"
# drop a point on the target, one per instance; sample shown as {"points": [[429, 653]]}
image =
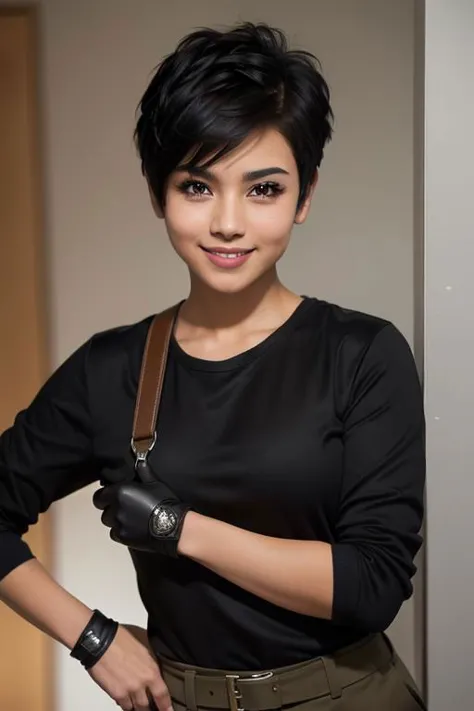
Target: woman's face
{"points": [[232, 223]]}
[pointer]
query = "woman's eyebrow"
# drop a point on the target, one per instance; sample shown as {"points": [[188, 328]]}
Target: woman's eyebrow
{"points": [[250, 175], [264, 173]]}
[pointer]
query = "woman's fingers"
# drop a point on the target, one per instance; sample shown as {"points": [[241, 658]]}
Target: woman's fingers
{"points": [[126, 703], [141, 701], [159, 693]]}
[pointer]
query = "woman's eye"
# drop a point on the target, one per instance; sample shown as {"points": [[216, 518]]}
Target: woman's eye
{"points": [[194, 188], [266, 190]]}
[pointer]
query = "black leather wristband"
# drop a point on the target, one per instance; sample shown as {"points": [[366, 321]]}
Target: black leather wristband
{"points": [[95, 639]]}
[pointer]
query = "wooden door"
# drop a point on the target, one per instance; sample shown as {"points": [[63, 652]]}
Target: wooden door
{"points": [[25, 653]]}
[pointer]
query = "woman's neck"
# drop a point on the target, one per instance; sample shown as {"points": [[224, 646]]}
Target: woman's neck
{"points": [[260, 306]]}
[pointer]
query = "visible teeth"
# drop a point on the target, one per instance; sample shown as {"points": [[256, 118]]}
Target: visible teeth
{"points": [[229, 256]]}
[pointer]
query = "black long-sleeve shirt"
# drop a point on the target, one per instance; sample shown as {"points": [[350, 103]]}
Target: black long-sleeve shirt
{"points": [[317, 433]]}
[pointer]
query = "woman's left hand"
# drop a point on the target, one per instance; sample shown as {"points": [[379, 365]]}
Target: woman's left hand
{"points": [[145, 516]]}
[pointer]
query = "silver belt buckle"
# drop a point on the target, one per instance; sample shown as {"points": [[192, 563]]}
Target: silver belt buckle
{"points": [[233, 691]]}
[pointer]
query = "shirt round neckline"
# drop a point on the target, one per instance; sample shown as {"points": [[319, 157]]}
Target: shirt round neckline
{"points": [[248, 355]]}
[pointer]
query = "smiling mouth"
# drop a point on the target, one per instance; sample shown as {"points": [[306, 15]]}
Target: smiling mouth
{"points": [[228, 253]]}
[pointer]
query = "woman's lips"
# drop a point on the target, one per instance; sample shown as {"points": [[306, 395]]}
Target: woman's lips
{"points": [[228, 258]]}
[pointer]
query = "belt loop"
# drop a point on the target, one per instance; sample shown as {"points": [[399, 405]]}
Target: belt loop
{"points": [[190, 689], [335, 688]]}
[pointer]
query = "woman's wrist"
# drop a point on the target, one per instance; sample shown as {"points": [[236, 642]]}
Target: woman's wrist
{"points": [[95, 639], [191, 534], [71, 627]]}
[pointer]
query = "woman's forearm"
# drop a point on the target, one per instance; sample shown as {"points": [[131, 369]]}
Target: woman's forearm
{"points": [[127, 671], [296, 575], [31, 592]]}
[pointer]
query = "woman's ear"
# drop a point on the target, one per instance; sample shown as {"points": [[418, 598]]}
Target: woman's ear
{"points": [[303, 210], [154, 203]]}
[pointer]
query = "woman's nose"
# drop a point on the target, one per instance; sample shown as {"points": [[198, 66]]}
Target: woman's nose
{"points": [[228, 220]]}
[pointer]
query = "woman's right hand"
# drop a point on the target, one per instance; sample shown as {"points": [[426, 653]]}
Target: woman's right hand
{"points": [[130, 675]]}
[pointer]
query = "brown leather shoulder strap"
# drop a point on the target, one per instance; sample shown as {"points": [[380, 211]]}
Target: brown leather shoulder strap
{"points": [[150, 385]]}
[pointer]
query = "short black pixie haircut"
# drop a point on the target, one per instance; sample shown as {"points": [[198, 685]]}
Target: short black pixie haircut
{"points": [[217, 88]]}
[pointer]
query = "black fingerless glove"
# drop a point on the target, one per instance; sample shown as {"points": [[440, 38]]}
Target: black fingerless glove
{"points": [[143, 516], [95, 639]]}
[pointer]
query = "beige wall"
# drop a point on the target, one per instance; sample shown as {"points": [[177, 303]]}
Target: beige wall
{"points": [[449, 335], [109, 259]]}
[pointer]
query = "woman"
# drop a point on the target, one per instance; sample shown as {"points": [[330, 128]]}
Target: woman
{"points": [[290, 431]]}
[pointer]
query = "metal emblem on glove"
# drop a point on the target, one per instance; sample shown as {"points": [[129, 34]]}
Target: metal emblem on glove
{"points": [[163, 521]]}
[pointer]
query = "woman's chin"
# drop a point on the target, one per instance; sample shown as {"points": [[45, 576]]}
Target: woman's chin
{"points": [[231, 287], [237, 285], [227, 283]]}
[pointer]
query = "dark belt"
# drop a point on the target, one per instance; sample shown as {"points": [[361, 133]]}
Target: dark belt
{"points": [[195, 687]]}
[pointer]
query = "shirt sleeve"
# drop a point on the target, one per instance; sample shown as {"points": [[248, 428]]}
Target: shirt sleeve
{"points": [[46, 455], [381, 502]]}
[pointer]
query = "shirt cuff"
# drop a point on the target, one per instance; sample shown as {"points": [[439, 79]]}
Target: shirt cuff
{"points": [[13, 552]]}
